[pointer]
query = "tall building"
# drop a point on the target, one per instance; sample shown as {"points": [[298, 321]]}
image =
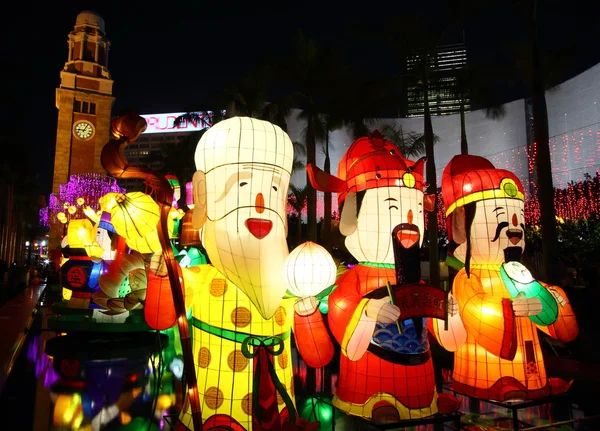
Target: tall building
{"points": [[147, 151], [84, 101], [445, 64]]}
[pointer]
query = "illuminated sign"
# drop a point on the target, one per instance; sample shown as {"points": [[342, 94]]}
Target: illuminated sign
{"points": [[163, 123]]}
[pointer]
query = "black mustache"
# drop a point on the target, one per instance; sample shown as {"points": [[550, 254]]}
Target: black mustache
{"points": [[499, 228]]}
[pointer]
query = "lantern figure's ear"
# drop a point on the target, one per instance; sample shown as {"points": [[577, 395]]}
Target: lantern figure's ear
{"points": [[349, 215], [324, 182], [459, 229], [199, 190], [429, 203]]}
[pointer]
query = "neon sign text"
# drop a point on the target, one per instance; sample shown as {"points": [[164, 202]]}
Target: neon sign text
{"points": [[163, 123]]}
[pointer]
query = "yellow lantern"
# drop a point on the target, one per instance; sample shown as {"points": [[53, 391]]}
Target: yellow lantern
{"points": [[150, 243], [81, 233], [133, 215], [72, 209], [80, 201], [308, 270], [61, 216], [89, 211], [66, 205]]}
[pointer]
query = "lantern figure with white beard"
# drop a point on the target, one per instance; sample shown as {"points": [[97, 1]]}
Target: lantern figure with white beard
{"points": [[241, 324], [497, 306], [386, 371]]}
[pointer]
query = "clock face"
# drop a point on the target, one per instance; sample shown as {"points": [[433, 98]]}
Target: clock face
{"points": [[83, 130]]}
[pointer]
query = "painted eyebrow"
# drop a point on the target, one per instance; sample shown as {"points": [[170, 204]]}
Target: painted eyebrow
{"points": [[234, 178], [420, 203], [276, 172], [499, 208], [391, 199]]}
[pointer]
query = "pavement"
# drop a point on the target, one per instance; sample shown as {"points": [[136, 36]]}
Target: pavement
{"points": [[16, 317]]}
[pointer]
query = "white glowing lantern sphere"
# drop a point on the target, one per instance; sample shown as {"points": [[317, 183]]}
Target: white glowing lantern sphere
{"points": [[308, 270]]}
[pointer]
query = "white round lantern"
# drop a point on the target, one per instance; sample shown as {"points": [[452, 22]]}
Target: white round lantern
{"points": [[308, 270]]}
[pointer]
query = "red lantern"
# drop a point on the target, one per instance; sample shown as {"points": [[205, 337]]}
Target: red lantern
{"points": [[159, 309]]}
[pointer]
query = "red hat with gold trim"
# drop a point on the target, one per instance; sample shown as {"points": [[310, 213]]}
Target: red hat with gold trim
{"points": [[469, 178], [370, 162]]}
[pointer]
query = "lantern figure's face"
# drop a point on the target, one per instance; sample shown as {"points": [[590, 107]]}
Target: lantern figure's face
{"points": [[105, 242], [499, 225], [245, 231], [382, 209]]}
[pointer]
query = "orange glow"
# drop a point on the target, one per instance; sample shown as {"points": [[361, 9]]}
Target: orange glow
{"points": [[125, 418], [499, 305]]}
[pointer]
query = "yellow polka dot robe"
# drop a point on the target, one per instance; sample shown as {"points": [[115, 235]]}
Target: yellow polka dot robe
{"points": [[225, 327]]}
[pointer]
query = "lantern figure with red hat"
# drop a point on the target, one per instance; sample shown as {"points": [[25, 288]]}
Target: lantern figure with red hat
{"points": [[496, 304], [386, 371]]}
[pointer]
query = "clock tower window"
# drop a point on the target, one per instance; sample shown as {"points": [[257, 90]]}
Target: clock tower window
{"points": [[84, 107]]}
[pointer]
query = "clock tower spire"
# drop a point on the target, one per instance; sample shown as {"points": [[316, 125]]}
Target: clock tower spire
{"points": [[84, 101]]}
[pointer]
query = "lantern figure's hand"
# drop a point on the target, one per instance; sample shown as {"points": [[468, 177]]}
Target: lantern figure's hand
{"points": [[524, 307], [306, 306], [559, 298], [382, 311], [452, 305]]}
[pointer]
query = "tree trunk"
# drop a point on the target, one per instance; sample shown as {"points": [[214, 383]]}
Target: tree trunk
{"points": [[543, 165], [299, 229], [311, 201], [326, 238], [464, 146], [432, 225]]}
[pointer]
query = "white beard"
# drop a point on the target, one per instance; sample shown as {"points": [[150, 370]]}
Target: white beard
{"points": [[254, 265]]}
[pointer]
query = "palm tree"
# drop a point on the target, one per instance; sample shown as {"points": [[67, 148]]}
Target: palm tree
{"points": [[414, 35], [543, 162], [302, 79], [297, 200], [329, 123], [411, 144], [535, 72]]}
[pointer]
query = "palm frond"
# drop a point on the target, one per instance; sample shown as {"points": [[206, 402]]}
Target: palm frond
{"points": [[299, 148], [198, 117], [495, 112], [297, 197], [411, 144], [297, 165]]}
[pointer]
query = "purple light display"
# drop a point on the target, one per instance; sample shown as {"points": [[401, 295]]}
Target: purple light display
{"points": [[44, 217], [91, 187]]}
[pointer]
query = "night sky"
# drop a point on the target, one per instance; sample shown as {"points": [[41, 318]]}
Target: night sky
{"points": [[172, 56]]}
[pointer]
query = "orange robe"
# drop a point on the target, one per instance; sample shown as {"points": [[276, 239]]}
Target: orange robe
{"points": [[497, 355]]}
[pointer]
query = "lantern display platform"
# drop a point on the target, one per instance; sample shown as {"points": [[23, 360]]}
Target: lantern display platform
{"points": [[93, 320], [513, 407], [367, 424]]}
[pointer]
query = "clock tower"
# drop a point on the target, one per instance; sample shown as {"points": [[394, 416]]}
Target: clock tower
{"points": [[84, 101]]}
